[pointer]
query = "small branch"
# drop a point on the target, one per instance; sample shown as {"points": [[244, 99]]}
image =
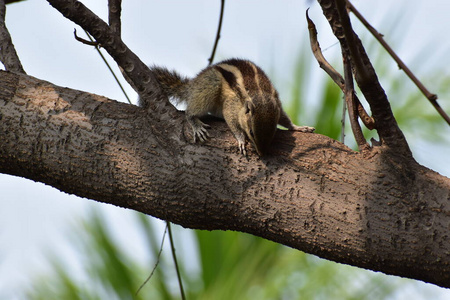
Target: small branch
{"points": [[219, 28], [175, 261], [107, 65], [8, 54], [344, 113], [114, 11], [351, 103], [158, 258], [365, 118], [430, 96], [86, 42], [323, 63], [337, 78]]}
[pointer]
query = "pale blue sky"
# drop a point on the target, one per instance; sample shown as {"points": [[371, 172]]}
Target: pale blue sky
{"points": [[35, 219]]}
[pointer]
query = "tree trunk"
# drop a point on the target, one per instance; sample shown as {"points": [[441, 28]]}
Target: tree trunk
{"points": [[380, 211]]}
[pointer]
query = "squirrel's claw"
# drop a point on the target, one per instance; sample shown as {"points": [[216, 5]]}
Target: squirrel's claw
{"points": [[201, 134], [199, 130], [242, 149]]}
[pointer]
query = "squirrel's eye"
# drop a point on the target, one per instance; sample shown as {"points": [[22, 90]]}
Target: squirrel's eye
{"points": [[251, 133]]}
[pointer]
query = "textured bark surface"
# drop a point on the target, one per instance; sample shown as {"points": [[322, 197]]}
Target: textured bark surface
{"points": [[382, 212]]}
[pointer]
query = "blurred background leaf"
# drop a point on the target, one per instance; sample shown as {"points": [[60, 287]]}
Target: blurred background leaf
{"points": [[232, 266]]}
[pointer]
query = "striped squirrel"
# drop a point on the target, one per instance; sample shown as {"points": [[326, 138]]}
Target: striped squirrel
{"points": [[236, 90]]}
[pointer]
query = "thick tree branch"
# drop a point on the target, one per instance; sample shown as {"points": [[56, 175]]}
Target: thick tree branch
{"points": [[365, 76], [312, 193], [384, 212], [8, 54]]}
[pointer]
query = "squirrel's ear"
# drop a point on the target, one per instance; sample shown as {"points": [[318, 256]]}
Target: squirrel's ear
{"points": [[249, 107]]}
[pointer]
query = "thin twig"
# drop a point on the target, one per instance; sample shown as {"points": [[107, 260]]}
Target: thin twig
{"points": [[323, 63], [344, 113], [172, 246], [219, 28], [107, 64], [8, 54], [430, 96], [114, 11], [157, 261], [86, 42], [351, 103], [337, 78]]}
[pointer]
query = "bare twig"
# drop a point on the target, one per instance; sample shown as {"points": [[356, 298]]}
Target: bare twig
{"points": [[86, 42], [351, 103], [337, 78], [109, 67], [344, 113], [365, 118], [180, 283], [157, 261], [114, 11], [8, 54], [219, 28], [430, 96], [323, 63]]}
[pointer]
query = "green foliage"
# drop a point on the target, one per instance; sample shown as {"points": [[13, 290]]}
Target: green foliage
{"points": [[109, 269], [232, 266]]}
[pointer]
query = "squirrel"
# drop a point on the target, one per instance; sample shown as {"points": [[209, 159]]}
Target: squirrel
{"points": [[236, 90]]}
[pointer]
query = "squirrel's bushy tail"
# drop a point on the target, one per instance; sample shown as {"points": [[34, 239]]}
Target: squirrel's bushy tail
{"points": [[173, 84]]}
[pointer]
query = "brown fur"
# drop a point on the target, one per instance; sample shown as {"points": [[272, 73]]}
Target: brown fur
{"points": [[236, 90]]}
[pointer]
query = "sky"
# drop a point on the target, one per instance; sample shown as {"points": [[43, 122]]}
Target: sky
{"points": [[36, 220]]}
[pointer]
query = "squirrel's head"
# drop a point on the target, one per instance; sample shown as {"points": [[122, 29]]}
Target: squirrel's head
{"points": [[260, 123]]}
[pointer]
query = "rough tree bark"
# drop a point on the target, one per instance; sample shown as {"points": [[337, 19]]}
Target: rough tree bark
{"points": [[380, 210]]}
